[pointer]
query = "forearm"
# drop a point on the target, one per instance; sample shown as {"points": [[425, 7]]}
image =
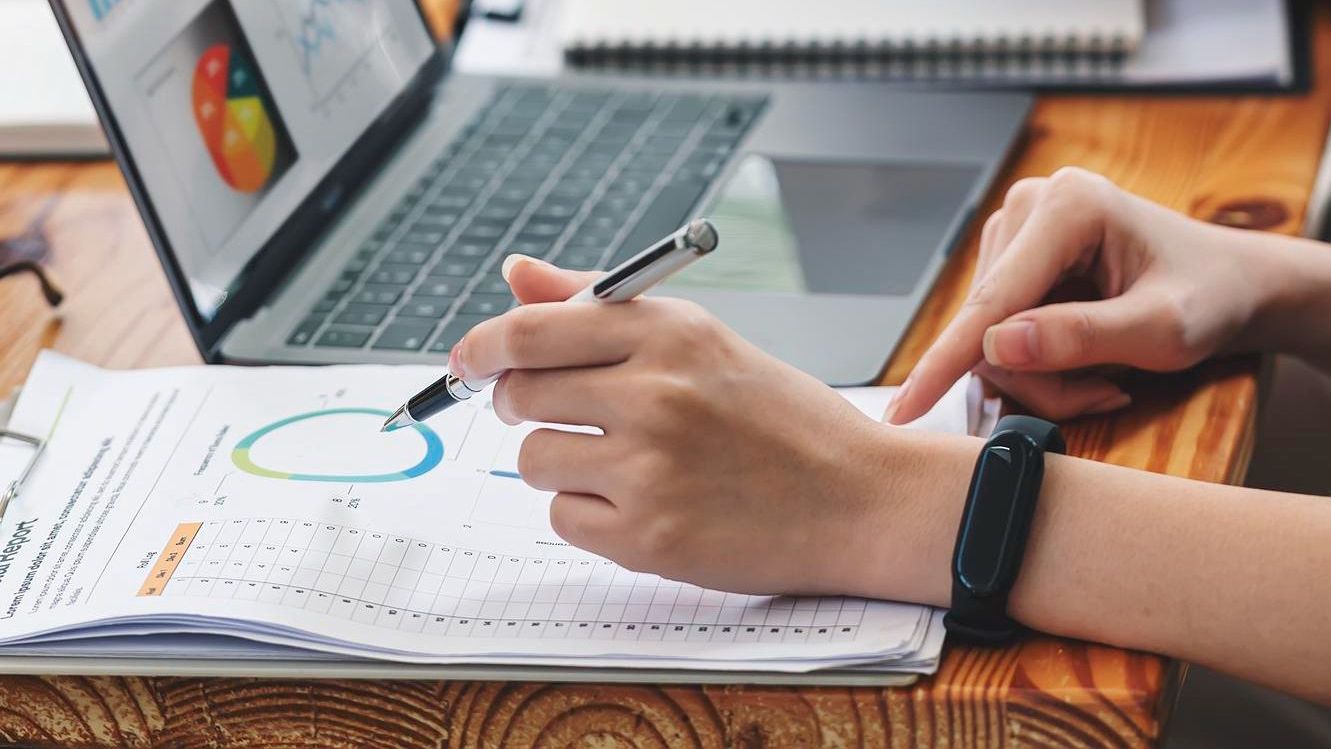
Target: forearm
{"points": [[1224, 576], [1293, 311]]}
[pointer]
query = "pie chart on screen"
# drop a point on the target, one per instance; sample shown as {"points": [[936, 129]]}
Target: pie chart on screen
{"points": [[233, 118]]}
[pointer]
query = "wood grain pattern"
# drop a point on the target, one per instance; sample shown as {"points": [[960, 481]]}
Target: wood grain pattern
{"points": [[1245, 161]]}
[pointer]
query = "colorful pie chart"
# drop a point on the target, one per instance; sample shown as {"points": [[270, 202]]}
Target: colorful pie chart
{"points": [[434, 451], [236, 126]]}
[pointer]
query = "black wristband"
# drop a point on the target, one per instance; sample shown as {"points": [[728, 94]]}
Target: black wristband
{"points": [[991, 540]]}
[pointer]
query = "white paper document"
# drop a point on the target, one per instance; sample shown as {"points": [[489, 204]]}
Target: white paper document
{"points": [[245, 512]]}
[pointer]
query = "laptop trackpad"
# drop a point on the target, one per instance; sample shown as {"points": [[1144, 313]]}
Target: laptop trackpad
{"points": [[825, 227]]}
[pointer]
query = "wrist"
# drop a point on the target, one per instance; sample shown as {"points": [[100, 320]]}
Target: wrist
{"points": [[917, 491]]}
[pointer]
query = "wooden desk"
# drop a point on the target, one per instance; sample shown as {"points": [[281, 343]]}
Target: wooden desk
{"points": [[1245, 161]]}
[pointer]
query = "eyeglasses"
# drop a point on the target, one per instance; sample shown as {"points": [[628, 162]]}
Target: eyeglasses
{"points": [[21, 253]]}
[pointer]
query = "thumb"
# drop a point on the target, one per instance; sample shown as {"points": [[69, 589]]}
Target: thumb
{"points": [[535, 280], [1072, 335]]}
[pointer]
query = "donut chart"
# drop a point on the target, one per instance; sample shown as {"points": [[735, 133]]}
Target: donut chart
{"points": [[236, 125], [434, 451]]}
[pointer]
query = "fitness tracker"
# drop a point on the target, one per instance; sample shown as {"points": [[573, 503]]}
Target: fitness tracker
{"points": [[995, 525]]}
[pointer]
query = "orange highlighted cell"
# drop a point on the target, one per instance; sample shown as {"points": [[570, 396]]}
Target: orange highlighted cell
{"points": [[166, 564]]}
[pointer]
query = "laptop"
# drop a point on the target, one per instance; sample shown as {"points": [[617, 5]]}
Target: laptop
{"points": [[321, 188]]}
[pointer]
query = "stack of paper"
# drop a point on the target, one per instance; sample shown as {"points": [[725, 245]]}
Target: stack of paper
{"points": [[44, 109], [258, 514]]}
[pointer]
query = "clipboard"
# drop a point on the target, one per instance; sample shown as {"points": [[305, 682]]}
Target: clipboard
{"points": [[331, 667]]}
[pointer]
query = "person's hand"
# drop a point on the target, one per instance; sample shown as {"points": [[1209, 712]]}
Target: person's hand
{"points": [[718, 464], [1167, 291]]}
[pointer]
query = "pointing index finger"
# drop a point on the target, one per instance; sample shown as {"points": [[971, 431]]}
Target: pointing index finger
{"points": [[1047, 245]]}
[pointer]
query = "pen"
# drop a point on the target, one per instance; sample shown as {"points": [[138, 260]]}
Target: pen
{"points": [[631, 278]]}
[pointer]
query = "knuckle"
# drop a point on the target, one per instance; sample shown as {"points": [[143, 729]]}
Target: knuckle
{"points": [[651, 468], [1175, 339], [563, 520], [661, 535], [982, 293], [1080, 333], [521, 332], [517, 393], [992, 223], [1078, 185], [1024, 192], [530, 458], [691, 322], [1056, 403], [669, 403]]}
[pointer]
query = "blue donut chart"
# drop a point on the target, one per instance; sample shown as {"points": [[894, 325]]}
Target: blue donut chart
{"points": [[434, 451]]}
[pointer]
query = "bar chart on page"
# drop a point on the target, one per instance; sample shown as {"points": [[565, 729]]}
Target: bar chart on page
{"points": [[412, 584]]}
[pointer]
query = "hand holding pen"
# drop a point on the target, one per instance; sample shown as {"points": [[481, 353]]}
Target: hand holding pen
{"points": [[631, 278]]}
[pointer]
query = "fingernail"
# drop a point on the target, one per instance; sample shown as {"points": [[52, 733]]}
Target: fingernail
{"points": [[895, 404], [512, 261], [1010, 344], [455, 367], [1112, 403]]}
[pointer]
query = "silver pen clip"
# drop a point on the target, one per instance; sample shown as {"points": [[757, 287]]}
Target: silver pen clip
{"points": [[37, 445]]}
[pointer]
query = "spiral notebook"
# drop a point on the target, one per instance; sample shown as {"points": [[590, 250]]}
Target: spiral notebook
{"points": [[1018, 43], [969, 34]]}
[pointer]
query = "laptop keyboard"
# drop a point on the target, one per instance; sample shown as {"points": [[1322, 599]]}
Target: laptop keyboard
{"points": [[581, 178]]}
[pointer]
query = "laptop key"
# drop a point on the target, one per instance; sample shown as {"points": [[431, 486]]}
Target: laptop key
{"points": [[435, 222], [450, 202], [343, 338], [499, 212], [527, 246], [671, 127], [461, 268], [404, 336], [556, 210], [538, 230], [484, 231], [439, 287], [362, 314], [394, 275], [425, 237], [486, 304], [580, 259], [305, 331], [377, 294], [493, 284], [687, 109], [454, 330], [324, 306], [592, 238], [586, 101], [470, 249], [410, 255], [429, 308]]}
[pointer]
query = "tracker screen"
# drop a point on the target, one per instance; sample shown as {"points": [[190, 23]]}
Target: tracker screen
{"points": [[233, 110]]}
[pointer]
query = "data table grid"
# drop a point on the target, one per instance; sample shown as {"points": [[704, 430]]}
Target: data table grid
{"points": [[402, 583]]}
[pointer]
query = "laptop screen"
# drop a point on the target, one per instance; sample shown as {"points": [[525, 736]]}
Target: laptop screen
{"points": [[232, 111]]}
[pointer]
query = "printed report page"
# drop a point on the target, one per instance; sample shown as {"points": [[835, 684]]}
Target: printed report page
{"points": [[265, 502]]}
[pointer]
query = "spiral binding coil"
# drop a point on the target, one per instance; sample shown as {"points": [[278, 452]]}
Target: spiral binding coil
{"points": [[1027, 58]]}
